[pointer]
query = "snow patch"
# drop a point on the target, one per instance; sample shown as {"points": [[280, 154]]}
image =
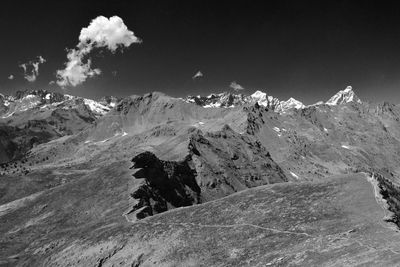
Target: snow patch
{"points": [[212, 105], [9, 115], [294, 175], [197, 124], [29, 96], [96, 107]]}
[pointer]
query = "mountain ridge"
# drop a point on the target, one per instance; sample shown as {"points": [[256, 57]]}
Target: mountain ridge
{"points": [[229, 100], [28, 99], [154, 154]]}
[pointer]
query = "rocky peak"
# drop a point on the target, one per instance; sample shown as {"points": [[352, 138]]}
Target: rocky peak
{"points": [[110, 101], [168, 184], [290, 104], [343, 96], [225, 99], [25, 100], [265, 100]]}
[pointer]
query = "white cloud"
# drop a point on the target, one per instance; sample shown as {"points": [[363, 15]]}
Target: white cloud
{"points": [[11, 77], [235, 86], [31, 68], [198, 74], [75, 72], [102, 32], [111, 33]]}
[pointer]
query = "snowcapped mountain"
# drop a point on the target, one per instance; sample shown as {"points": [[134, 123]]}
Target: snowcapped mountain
{"points": [[343, 96], [109, 101], [44, 100], [290, 104], [230, 100], [225, 100], [27, 100], [264, 100]]}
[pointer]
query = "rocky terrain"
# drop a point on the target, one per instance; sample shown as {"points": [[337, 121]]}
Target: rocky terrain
{"points": [[222, 180], [33, 117]]}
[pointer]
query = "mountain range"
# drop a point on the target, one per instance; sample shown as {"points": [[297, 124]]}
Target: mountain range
{"points": [[220, 180]]}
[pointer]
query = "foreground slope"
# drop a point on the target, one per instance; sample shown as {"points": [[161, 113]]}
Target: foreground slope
{"points": [[338, 222]]}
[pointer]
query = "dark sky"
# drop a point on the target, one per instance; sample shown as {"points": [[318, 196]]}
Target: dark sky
{"points": [[303, 49]]}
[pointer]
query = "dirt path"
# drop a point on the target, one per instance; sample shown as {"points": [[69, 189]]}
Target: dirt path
{"points": [[227, 226]]}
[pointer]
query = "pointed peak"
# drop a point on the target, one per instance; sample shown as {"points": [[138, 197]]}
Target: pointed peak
{"points": [[343, 96], [258, 94], [348, 89], [292, 100], [290, 104]]}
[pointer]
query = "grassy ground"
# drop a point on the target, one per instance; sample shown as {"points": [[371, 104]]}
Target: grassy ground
{"points": [[332, 223]]}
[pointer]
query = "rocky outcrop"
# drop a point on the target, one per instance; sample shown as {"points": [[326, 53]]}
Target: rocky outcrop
{"points": [[254, 118], [218, 164], [228, 162], [343, 96], [391, 194], [168, 184]]}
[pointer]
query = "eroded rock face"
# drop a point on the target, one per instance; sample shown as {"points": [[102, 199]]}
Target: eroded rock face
{"points": [[168, 184], [390, 193], [227, 162], [218, 164]]}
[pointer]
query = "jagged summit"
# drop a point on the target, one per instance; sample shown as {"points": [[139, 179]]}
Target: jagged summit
{"points": [[42, 99], [26, 100], [226, 99], [291, 103], [343, 96], [265, 100]]}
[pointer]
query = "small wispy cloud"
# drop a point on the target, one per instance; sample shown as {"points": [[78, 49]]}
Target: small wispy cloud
{"points": [[102, 32], [31, 68], [10, 77], [235, 86], [198, 74]]}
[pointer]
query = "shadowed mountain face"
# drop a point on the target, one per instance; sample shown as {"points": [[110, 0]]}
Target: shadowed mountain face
{"points": [[218, 164], [219, 180], [167, 184]]}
